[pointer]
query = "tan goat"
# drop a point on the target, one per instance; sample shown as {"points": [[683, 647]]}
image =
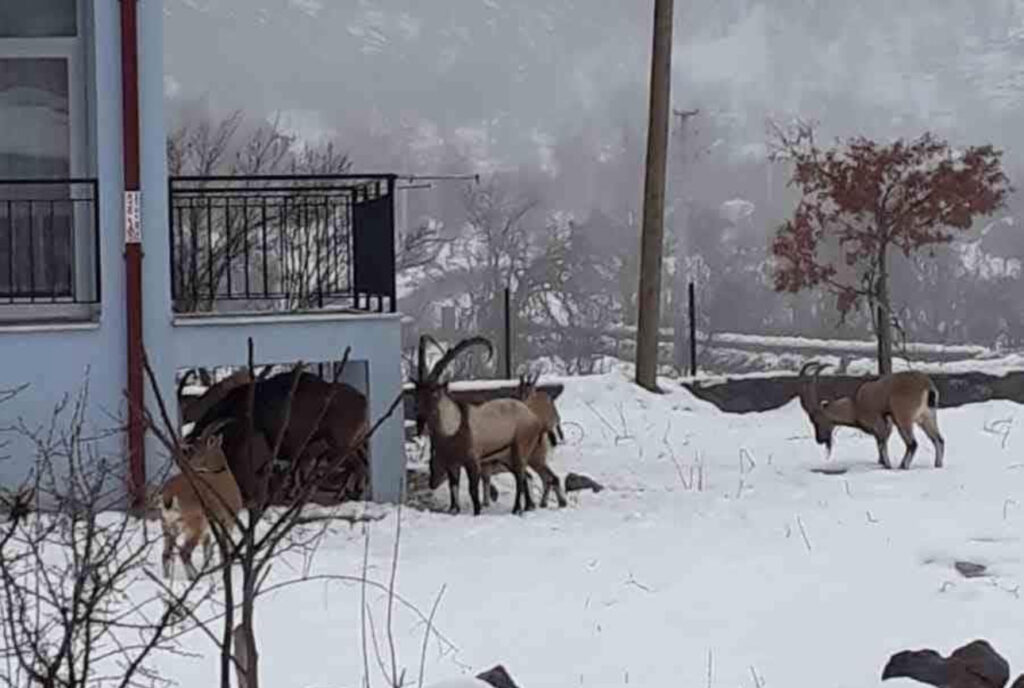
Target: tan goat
{"points": [[904, 399], [461, 434], [186, 506], [543, 407]]}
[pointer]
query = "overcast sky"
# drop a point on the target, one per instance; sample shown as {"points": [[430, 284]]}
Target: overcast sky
{"points": [[531, 71]]}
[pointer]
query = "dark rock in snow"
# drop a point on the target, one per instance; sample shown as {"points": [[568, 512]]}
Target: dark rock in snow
{"points": [[575, 482], [497, 677], [968, 569], [975, 665]]}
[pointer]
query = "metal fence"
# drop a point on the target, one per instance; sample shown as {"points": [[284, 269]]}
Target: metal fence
{"points": [[282, 242], [49, 241]]}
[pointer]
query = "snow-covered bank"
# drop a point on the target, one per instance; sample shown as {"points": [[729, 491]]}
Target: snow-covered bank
{"points": [[714, 542]]}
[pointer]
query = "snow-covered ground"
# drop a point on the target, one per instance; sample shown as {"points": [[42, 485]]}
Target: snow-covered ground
{"points": [[716, 556]]}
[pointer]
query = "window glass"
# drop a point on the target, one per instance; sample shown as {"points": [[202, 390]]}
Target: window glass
{"points": [[38, 18], [35, 140], [36, 220]]}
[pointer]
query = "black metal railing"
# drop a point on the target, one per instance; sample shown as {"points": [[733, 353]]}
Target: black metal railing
{"points": [[284, 243], [49, 241]]}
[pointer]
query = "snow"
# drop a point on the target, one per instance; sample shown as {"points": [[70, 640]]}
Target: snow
{"points": [[714, 545]]}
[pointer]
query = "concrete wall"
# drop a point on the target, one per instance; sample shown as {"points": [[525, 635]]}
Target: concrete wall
{"points": [[375, 340], [754, 394], [54, 359]]}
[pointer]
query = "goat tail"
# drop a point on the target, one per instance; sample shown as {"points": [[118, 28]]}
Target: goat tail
{"points": [[933, 396]]}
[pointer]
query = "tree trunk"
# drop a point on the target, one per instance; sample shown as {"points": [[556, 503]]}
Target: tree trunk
{"points": [[244, 652], [652, 234], [883, 316]]}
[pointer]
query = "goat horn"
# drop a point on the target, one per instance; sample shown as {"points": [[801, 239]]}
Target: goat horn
{"points": [[184, 381], [214, 427], [809, 395], [807, 366], [421, 372], [450, 355]]}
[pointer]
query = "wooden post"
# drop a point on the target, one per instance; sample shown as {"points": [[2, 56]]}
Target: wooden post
{"points": [[508, 334], [693, 331], [448, 320], [880, 323], [653, 231]]}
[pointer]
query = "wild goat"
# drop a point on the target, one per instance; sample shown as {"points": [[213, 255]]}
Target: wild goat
{"points": [[541, 403], [461, 435], [340, 428], [193, 407], [206, 488], [903, 398], [543, 407]]}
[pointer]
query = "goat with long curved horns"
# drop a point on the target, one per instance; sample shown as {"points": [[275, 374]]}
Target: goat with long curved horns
{"points": [[461, 434], [904, 399]]}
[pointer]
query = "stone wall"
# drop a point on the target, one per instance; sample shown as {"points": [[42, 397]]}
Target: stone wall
{"points": [[746, 395]]}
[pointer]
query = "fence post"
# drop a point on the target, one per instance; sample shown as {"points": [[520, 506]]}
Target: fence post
{"points": [[693, 331], [508, 334]]}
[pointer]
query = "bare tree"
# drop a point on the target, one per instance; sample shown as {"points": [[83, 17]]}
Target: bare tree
{"points": [[273, 526], [74, 606]]}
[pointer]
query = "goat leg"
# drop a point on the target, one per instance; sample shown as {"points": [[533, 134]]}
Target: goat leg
{"points": [[186, 557], [883, 428], [208, 551], [170, 539], [551, 481], [907, 433], [528, 492], [473, 472], [453, 488], [520, 486]]}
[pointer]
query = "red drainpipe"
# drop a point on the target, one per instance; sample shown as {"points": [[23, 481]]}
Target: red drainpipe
{"points": [[133, 246]]}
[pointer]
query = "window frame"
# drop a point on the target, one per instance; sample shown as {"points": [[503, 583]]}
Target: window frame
{"points": [[76, 51]]}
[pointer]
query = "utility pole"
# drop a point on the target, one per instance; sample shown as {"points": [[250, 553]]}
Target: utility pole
{"points": [[653, 231]]}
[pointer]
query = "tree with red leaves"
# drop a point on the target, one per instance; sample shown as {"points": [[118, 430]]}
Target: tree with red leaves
{"points": [[862, 199]]}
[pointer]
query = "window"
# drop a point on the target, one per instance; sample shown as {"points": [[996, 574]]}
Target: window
{"points": [[38, 19], [46, 220]]}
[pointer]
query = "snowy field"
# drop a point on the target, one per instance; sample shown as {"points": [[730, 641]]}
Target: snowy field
{"points": [[715, 557]]}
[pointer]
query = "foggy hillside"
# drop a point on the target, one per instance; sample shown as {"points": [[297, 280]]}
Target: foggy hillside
{"points": [[548, 101]]}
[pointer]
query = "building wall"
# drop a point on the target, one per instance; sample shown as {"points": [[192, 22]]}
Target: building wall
{"points": [[156, 282], [55, 359], [375, 340]]}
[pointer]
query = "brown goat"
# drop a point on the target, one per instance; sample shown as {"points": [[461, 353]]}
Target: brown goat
{"points": [[205, 489], [461, 434], [194, 407], [341, 425], [904, 399]]}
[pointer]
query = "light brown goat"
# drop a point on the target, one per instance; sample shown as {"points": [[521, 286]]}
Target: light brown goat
{"points": [[541, 403], [543, 407], [904, 399], [461, 434], [205, 489]]}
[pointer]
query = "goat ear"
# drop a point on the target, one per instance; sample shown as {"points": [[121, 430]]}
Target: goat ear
{"points": [[214, 441]]}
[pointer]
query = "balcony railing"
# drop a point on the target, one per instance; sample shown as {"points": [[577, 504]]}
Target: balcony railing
{"points": [[49, 241], [282, 243]]}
